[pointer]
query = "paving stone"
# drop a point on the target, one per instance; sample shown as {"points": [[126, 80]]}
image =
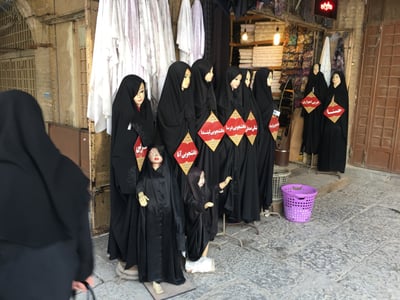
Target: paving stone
{"points": [[348, 249]]}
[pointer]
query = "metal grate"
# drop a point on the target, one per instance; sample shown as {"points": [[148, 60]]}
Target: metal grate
{"points": [[83, 75], [84, 87], [18, 73], [14, 31]]}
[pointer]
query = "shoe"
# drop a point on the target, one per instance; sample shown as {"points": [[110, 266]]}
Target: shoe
{"points": [[157, 288], [202, 265], [129, 274], [266, 213]]}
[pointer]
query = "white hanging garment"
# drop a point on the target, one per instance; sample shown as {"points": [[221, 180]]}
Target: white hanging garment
{"points": [[168, 33], [198, 30], [169, 46], [325, 61], [159, 44], [132, 33], [184, 34], [100, 93], [147, 48]]}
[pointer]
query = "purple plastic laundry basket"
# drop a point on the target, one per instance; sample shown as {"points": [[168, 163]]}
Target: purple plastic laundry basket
{"points": [[298, 201]]}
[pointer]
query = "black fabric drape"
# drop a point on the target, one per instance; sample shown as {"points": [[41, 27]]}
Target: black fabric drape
{"points": [[128, 123], [333, 146], [220, 38], [312, 121], [266, 143]]}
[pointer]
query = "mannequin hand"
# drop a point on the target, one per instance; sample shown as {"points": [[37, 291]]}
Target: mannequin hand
{"points": [[143, 199], [224, 183], [183, 253], [208, 204]]}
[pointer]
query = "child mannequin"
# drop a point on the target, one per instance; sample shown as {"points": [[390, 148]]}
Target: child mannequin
{"points": [[201, 220], [160, 229]]}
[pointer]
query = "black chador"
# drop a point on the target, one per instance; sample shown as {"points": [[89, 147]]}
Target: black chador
{"points": [[161, 236], [240, 204], [265, 141], [201, 222], [312, 121], [204, 103], [175, 113], [332, 152], [128, 123]]}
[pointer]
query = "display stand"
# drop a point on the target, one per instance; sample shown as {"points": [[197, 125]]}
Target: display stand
{"points": [[224, 233]]}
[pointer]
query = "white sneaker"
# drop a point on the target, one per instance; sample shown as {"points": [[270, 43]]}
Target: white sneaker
{"points": [[203, 265], [266, 213]]}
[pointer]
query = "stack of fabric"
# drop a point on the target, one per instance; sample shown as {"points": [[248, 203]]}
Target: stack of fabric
{"points": [[264, 31], [245, 58], [275, 85], [267, 56]]}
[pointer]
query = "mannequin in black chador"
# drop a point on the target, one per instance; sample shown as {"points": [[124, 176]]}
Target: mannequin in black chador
{"points": [[241, 203], [204, 104], [265, 142], [132, 121], [175, 113], [161, 237], [312, 120], [333, 147], [201, 220]]}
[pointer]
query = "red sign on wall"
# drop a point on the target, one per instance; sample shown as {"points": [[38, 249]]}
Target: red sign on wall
{"points": [[326, 8]]}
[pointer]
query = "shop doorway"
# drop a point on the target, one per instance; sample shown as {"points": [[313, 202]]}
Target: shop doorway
{"points": [[376, 134]]}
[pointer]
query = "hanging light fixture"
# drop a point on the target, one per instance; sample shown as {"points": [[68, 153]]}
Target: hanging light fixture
{"points": [[244, 36], [277, 37]]}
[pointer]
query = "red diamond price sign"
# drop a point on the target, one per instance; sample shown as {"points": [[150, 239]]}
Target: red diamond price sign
{"points": [[310, 102], [235, 127], [186, 153], [140, 152], [274, 126], [212, 132], [334, 111], [251, 128]]}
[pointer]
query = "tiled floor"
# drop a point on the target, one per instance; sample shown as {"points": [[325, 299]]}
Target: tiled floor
{"points": [[348, 250]]}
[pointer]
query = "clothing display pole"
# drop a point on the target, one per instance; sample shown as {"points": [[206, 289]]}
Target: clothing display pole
{"points": [[224, 233]]}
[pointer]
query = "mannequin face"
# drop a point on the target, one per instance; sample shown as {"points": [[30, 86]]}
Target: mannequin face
{"points": [[202, 179], [139, 98], [269, 79], [210, 75], [236, 82], [155, 158], [186, 80], [316, 69], [336, 80], [248, 78]]}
